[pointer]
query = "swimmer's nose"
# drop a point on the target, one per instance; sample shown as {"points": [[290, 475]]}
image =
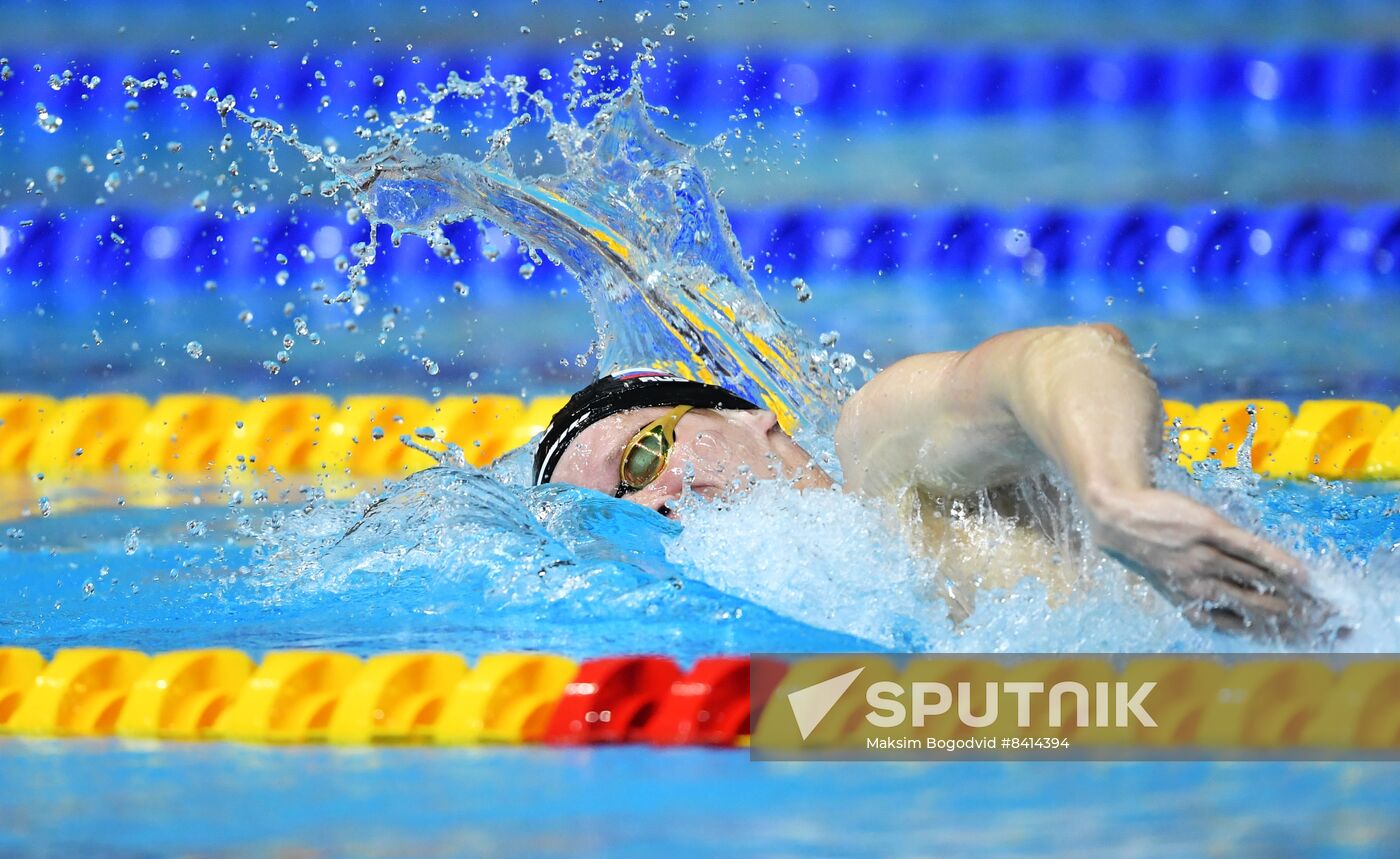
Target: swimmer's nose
{"points": [[760, 420]]}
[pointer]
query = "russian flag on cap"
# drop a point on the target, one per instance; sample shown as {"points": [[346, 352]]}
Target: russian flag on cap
{"points": [[645, 372]]}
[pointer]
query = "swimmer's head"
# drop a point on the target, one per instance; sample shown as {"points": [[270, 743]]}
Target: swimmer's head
{"points": [[645, 435]]}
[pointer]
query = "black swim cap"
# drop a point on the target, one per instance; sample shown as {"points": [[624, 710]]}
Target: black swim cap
{"points": [[621, 392]]}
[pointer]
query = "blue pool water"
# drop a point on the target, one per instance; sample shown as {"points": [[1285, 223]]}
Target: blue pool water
{"points": [[117, 799], [570, 571], [1219, 180]]}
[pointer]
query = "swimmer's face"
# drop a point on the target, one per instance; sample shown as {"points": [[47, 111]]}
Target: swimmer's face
{"points": [[716, 452]]}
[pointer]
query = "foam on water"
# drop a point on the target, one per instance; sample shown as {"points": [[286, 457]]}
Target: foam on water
{"points": [[840, 563], [772, 568]]}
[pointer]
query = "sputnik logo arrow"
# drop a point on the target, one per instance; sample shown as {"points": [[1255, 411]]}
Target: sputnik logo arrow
{"points": [[811, 704]]}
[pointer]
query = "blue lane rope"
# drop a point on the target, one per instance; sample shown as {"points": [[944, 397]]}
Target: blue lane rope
{"points": [[1312, 79], [65, 261]]}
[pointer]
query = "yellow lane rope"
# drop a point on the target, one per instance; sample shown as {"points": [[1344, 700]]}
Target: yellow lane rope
{"points": [[437, 698], [211, 436]]}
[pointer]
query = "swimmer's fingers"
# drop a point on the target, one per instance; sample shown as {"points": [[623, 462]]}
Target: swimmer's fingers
{"points": [[1219, 618], [1253, 563], [1255, 579], [1234, 597], [1267, 562], [1209, 616], [1233, 610], [1221, 576], [1223, 594], [1214, 591]]}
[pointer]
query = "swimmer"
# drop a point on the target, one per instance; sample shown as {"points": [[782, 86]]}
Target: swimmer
{"points": [[953, 426]]}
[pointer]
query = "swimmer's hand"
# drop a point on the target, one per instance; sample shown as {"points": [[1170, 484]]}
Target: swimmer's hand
{"points": [[1220, 575]]}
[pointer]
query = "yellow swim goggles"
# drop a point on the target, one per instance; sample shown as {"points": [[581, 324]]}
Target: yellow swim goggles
{"points": [[644, 457]]}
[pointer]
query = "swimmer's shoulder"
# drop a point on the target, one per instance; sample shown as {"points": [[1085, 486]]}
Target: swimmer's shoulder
{"points": [[884, 417]]}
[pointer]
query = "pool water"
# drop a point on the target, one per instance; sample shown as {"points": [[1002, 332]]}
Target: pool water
{"points": [[119, 799], [504, 567]]}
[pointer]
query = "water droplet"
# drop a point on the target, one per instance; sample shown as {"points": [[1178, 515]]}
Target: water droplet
{"points": [[47, 121], [194, 349]]}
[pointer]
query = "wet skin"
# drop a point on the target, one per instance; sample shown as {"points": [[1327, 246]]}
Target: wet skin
{"points": [[952, 424], [716, 452]]}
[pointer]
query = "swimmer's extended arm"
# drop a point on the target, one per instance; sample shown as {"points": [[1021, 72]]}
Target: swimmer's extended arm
{"points": [[957, 422]]}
